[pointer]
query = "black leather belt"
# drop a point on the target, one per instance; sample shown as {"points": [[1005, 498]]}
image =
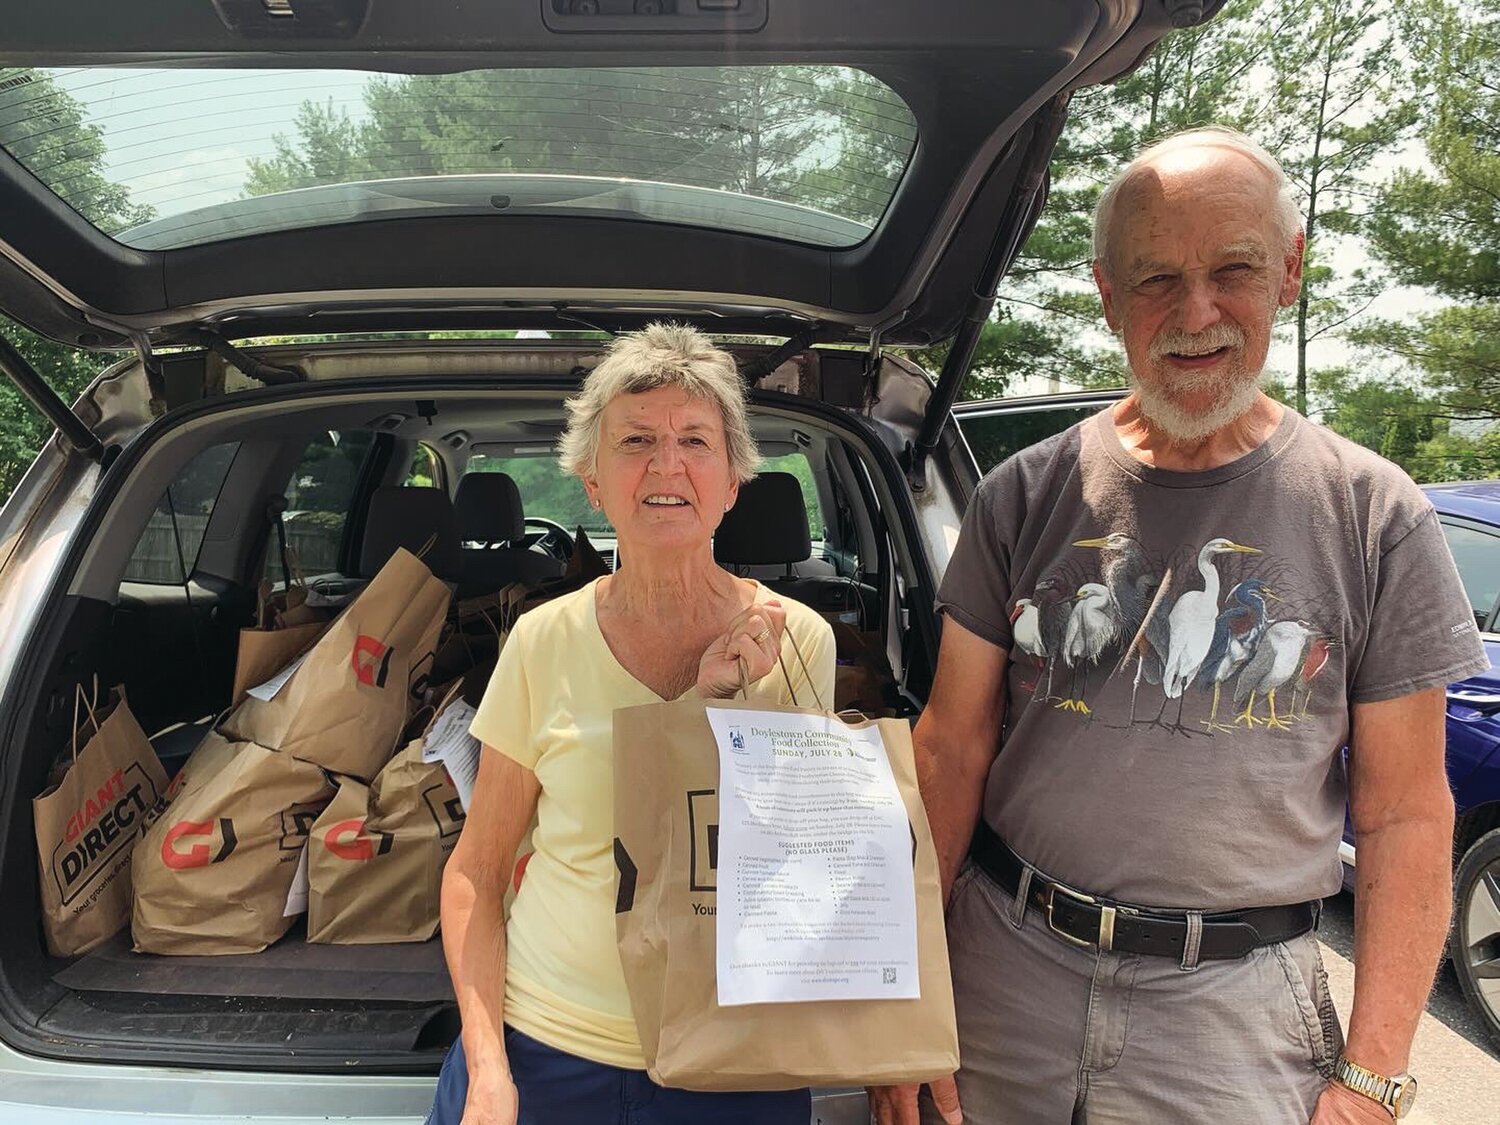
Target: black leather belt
{"points": [[1097, 923]]}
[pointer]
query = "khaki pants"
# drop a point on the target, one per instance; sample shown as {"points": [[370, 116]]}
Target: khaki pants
{"points": [[1055, 1034]]}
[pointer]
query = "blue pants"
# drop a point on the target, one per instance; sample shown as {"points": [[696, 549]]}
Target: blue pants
{"points": [[556, 1088]]}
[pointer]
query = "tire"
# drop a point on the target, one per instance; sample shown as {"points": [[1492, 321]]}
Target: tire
{"points": [[1474, 947]]}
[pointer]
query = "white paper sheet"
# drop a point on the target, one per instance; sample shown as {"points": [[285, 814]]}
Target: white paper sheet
{"points": [[816, 899], [450, 742], [296, 898], [267, 691]]}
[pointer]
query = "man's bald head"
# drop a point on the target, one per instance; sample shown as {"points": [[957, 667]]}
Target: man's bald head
{"points": [[1204, 151]]}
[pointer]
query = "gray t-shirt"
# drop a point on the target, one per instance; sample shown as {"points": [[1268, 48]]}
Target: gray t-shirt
{"points": [[1184, 651]]}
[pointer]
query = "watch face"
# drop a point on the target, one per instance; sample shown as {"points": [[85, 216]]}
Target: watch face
{"points": [[1405, 1097]]}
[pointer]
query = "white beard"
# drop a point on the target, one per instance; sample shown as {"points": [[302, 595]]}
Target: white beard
{"points": [[1161, 399]]}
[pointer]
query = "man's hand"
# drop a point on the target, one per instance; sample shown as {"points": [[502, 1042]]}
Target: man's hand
{"points": [[897, 1105], [1339, 1105], [492, 1101]]}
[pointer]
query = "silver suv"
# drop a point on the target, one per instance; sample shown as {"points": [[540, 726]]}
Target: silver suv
{"points": [[349, 245]]}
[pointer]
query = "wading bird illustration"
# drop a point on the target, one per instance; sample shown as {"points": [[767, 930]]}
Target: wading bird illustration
{"points": [[1236, 633], [1137, 591], [1277, 658], [1312, 666], [1093, 626], [1190, 625], [1026, 636], [1054, 606], [1133, 584]]}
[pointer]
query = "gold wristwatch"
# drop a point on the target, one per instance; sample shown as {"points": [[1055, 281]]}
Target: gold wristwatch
{"points": [[1397, 1094]]}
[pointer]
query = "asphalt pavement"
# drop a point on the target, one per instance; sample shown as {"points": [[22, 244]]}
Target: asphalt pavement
{"points": [[1456, 1063]]}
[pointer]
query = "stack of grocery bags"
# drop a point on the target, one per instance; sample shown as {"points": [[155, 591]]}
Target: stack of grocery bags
{"points": [[325, 789]]}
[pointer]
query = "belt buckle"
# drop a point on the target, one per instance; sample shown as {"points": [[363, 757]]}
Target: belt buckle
{"points": [[1106, 939]]}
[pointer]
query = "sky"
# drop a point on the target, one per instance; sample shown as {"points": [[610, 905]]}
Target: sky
{"points": [[181, 139]]}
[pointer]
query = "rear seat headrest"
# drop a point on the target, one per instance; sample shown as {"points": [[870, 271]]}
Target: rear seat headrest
{"points": [[767, 525], [419, 519], [488, 509]]}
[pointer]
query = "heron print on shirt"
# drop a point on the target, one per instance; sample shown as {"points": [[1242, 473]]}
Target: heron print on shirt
{"points": [[1216, 637]]}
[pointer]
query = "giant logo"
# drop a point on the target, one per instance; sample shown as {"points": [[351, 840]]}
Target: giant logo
{"points": [[371, 660], [189, 843], [104, 828], [348, 840]]}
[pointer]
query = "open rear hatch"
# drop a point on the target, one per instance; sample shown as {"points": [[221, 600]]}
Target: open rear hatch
{"points": [[843, 172]]}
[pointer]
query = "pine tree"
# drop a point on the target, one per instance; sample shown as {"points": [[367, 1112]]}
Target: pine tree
{"points": [[1339, 100], [1440, 228]]}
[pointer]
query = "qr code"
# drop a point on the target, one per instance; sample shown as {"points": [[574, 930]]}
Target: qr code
{"points": [[888, 976]]}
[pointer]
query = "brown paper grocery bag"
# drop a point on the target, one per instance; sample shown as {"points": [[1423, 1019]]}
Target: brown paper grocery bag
{"points": [[375, 865], [217, 874], [863, 680], [264, 652], [345, 704], [88, 823], [666, 824]]}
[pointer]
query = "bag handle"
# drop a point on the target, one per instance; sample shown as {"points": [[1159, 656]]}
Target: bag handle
{"points": [[455, 691], [785, 675], [91, 705], [806, 673]]}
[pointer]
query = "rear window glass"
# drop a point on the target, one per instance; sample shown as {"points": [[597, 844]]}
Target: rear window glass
{"points": [[807, 153], [994, 437], [167, 550], [318, 498]]}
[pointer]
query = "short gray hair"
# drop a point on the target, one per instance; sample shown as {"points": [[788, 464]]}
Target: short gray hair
{"points": [[1288, 216], [660, 355]]}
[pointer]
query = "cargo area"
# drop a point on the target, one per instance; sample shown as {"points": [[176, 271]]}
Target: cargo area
{"points": [[165, 576]]}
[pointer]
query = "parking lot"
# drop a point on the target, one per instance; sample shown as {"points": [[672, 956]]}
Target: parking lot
{"points": [[1457, 1065]]}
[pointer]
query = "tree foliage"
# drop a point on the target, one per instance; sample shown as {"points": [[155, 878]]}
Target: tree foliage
{"points": [[1338, 100], [1342, 91], [815, 135], [53, 137], [1438, 226]]}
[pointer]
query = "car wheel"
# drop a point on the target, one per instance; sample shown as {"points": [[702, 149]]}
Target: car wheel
{"points": [[1475, 945]]}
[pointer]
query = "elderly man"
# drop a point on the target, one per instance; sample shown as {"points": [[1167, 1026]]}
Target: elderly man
{"points": [[1162, 627]]}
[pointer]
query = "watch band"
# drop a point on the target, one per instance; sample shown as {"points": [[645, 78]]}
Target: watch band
{"points": [[1376, 1087]]}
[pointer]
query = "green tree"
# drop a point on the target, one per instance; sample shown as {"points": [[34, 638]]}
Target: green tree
{"points": [[1338, 101], [328, 149], [1439, 227], [808, 134], [47, 131], [22, 429], [1048, 321]]}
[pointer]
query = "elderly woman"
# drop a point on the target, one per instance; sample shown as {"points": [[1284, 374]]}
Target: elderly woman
{"points": [[659, 438]]}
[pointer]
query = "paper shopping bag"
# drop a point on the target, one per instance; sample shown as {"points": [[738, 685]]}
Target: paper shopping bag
{"points": [[667, 854], [88, 823], [264, 652], [375, 864], [223, 870], [343, 706]]}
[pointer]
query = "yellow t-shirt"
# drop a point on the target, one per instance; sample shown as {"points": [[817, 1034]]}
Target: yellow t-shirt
{"points": [[550, 706]]}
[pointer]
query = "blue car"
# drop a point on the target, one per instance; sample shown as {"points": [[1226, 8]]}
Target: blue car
{"points": [[1470, 515]]}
